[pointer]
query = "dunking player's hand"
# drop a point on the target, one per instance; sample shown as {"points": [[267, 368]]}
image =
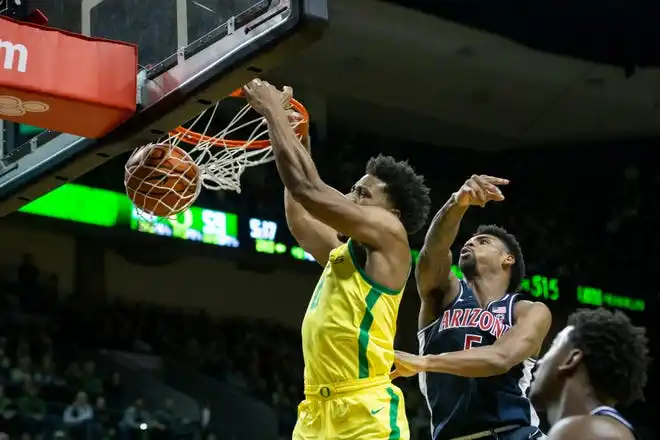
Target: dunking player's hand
{"points": [[406, 364], [479, 190], [264, 97]]}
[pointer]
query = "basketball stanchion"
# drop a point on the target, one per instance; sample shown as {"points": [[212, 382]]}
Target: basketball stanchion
{"points": [[163, 179]]}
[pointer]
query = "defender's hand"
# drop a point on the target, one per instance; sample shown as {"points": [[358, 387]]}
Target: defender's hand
{"points": [[264, 97], [406, 365], [478, 190]]}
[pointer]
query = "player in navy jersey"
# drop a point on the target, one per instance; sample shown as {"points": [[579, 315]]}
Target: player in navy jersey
{"points": [[477, 337], [599, 359]]}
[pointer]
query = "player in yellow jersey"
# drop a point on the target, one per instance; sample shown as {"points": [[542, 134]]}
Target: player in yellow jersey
{"points": [[361, 239]]}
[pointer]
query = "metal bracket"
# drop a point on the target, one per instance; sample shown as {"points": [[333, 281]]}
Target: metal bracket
{"points": [[141, 81], [4, 169], [3, 141], [231, 25]]}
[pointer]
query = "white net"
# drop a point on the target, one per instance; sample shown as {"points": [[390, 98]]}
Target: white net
{"points": [[220, 157]]}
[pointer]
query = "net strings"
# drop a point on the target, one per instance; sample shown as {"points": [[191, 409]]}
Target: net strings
{"points": [[221, 165]]}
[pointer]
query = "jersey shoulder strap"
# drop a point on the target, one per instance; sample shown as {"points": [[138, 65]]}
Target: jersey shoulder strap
{"points": [[608, 411]]}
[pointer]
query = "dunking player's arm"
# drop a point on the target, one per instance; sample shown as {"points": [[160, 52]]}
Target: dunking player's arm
{"points": [[315, 237], [372, 226]]}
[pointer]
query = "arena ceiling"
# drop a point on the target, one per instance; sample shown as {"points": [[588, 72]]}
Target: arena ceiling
{"points": [[411, 75]]}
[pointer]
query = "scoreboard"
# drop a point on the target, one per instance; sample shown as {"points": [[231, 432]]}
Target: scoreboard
{"points": [[104, 208]]}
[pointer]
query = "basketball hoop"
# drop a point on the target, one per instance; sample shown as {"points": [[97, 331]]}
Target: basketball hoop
{"points": [[220, 157]]}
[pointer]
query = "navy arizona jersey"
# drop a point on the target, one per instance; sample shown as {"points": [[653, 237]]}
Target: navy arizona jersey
{"points": [[462, 406], [608, 411]]}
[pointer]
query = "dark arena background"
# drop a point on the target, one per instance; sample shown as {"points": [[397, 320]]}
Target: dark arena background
{"points": [[189, 328]]}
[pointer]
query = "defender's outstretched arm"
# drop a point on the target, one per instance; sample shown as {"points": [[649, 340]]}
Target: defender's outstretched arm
{"points": [[313, 236], [435, 281], [433, 271]]}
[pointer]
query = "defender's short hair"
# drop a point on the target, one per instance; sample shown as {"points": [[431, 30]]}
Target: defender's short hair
{"points": [[405, 189], [509, 240], [615, 352]]}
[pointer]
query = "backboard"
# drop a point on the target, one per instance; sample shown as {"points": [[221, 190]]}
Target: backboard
{"points": [[192, 53]]}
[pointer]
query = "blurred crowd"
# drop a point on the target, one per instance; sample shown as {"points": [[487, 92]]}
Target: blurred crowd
{"points": [[48, 392], [50, 386], [259, 357]]}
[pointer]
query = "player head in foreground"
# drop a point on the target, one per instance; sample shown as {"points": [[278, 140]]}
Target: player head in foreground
{"points": [[597, 361], [361, 239]]}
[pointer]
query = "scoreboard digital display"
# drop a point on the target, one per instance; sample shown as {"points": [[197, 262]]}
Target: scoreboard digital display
{"points": [[104, 208], [264, 234], [195, 224], [94, 206]]}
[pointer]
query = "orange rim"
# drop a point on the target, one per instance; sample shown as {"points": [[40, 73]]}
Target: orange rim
{"points": [[193, 138]]}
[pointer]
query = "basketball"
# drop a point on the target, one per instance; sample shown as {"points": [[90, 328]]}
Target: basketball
{"points": [[161, 179]]}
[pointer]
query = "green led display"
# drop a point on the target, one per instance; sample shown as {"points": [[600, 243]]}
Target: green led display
{"points": [[596, 297], [457, 271], [542, 287], [538, 286], [298, 253], [100, 207], [104, 208], [194, 224], [29, 130], [82, 204], [269, 247]]}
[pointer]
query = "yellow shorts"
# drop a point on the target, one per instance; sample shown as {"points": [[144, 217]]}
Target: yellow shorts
{"points": [[365, 409]]}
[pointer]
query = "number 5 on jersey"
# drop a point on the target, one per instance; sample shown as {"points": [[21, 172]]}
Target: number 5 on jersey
{"points": [[471, 341]]}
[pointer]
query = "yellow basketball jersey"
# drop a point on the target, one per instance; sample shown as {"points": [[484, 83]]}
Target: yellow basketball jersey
{"points": [[349, 327]]}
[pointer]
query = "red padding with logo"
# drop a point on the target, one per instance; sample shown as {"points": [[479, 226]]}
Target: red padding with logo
{"points": [[63, 81]]}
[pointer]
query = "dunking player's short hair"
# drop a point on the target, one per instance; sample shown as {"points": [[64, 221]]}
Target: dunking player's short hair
{"points": [[615, 352], [509, 240], [405, 189]]}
